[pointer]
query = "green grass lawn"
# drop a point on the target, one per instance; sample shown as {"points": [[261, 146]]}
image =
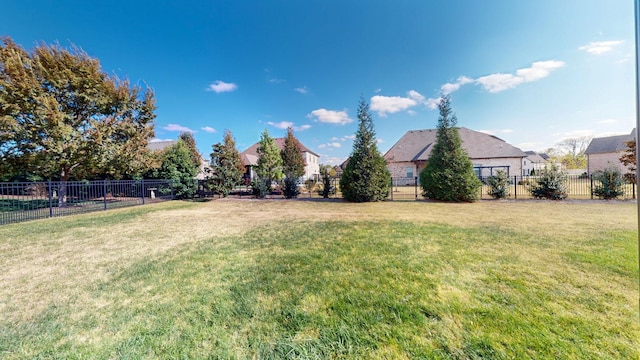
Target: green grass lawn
{"points": [[324, 279]]}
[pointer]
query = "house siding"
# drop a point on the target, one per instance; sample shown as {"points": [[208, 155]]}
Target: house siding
{"points": [[514, 164], [598, 162]]}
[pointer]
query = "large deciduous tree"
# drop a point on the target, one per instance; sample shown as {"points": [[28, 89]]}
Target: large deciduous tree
{"points": [[62, 117], [449, 174], [292, 164], [365, 177], [226, 166]]}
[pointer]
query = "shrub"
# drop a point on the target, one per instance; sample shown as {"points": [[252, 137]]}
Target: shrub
{"points": [[552, 184], [290, 189], [498, 185], [260, 188], [611, 183]]}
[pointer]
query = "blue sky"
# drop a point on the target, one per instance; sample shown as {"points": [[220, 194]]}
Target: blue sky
{"points": [[530, 72]]}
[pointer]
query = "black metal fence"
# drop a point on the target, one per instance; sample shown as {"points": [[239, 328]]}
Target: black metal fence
{"points": [[579, 187], [22, 201]]}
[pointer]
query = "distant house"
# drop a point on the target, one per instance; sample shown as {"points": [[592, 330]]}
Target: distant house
{"points": [[534, 162], [488, 153], [312, 165], [606, 151]]}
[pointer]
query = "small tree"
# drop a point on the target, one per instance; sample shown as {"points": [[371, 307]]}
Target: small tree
{"points": [[269, 166], [177, 165], [552, 184], [498, 185], [611, 183], [628, 159], [326, 173], [292, 164], [366, 177], [449, 174], [226, 166]]}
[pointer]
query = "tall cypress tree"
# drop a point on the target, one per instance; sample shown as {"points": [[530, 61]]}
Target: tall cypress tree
{"points": [[226, 166], [449, 174], [292, 164], [269, 167], [365, 177]]}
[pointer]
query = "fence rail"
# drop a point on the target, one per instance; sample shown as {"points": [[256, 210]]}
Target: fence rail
{"points": [[22, 201], [579, 187]]}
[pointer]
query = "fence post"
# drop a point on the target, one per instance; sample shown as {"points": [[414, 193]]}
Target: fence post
{"points": [[633, 189], [391, 189], [415, 186], [104, 193], [50, 200], [591, 182], [142, 190], [515, 187]]}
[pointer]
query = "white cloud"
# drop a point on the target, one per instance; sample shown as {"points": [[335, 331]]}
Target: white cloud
{"points": [[377, 90], [302, 90], [448, 88], [220, 86], [506, 131], [392, 104], [433, 103], [330, 116], [208, 129], [176, 127], [330, 145], [379, 141], [349, 137], [288, 124], [530, 145], [499, 82], [412, 112], [158, 140], [600, 47], [331, 160]]}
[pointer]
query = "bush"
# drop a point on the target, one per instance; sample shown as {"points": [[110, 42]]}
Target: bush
{"points": [[611, 183], [327, 189], [498, 185], [290, 189], [260, 188], [552, 184]]}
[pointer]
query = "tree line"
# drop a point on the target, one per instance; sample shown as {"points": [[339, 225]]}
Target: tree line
{"points": [[62, 118]]}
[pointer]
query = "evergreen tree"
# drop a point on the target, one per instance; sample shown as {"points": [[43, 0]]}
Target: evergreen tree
{"points": [[177, 165], [269, 166], [190, 142], [365, 177], [449, 174], [226, 166], [292, 164]]}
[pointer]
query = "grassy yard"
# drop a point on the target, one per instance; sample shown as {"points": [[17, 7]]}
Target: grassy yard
{"points": [[324, 279]]}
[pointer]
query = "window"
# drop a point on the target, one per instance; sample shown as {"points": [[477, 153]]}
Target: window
{"points": [[410, 172]]}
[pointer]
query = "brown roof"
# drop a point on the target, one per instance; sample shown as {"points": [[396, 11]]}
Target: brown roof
{"points": [[160, 145], [250, 156], [416, 145]]}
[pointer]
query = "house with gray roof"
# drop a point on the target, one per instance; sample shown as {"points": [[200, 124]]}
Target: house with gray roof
{"points": [[534, 163], [488, 153], [312, 164], [603, 152]]}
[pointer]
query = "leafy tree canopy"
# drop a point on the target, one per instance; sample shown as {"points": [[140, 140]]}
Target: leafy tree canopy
{"points": [[62, 117]]}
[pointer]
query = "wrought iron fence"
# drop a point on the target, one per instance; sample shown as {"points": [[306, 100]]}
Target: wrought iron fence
{"points": [[578, 187], [22, 201]]}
